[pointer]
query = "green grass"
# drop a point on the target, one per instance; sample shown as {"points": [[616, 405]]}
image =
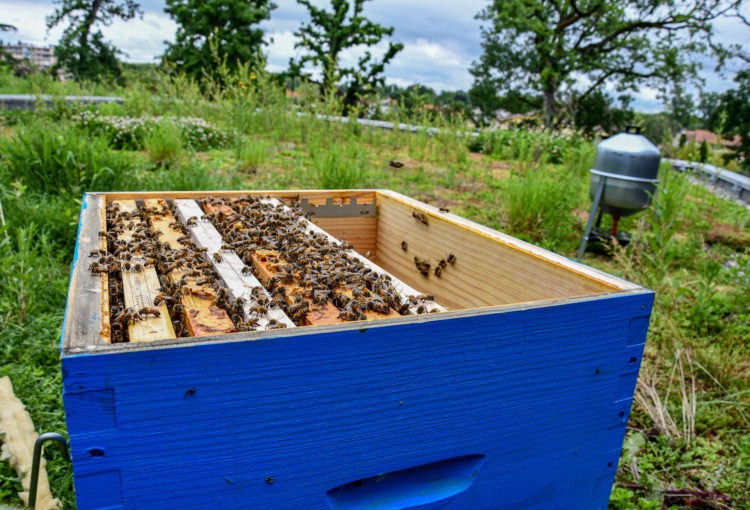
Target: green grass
{"points": [[690, 426]]}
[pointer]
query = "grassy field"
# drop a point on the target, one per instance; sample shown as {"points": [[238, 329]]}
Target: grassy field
{"points": [[688, 444]]}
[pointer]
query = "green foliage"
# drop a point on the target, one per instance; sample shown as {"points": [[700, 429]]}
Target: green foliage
{"points": [[211, 32], [329, 33], [250, 153], [163, 143], [703, 152], [33, 284], [536, 46], [82, 52], [736, 120], [57, 159], [538, 206], [339, 167], [597, 111]]}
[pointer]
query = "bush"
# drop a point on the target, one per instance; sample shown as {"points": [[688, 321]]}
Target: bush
{"points": [[55, 159], [131, 132]]}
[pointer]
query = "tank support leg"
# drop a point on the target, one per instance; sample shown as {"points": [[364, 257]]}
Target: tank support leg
{"points": [[592, 215]]}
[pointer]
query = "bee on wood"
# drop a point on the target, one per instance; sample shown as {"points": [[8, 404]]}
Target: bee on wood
{"points": [[451, 259], [420, 217], [217, 256], [442, 264], [277, 325], [438, 271], [444, 209], [247, 270], [423, 266], [348, 316], [162, 297], [248, 325], [260, 310], [95, 268], [193, 220], [404, 246], [149, 310], [96, 253]]}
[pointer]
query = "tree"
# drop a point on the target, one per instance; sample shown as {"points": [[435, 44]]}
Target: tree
{"points": [[208, 30], [736, 120], [597, 110], [329, 33], [547, 46], [84, 54]]}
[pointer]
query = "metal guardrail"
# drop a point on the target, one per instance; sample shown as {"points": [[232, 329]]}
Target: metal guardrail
{"points": [[31, 101], [732, 183]]}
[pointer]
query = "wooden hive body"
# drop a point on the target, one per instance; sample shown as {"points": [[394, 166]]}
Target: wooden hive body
{"points": [[516, 397]]}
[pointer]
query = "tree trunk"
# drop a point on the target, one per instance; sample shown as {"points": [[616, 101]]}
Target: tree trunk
{"points": [[549, 107]]}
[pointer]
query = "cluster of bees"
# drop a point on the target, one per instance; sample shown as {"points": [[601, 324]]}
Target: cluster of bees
{"points": [[132, 245], [310, 269], [423, 265], [420, 217]]}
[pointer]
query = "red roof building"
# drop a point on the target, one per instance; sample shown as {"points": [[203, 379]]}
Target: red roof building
{"points": [[702, 135]]}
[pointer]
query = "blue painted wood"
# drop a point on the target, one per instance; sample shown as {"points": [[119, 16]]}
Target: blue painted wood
{"points": [[543, 393]]}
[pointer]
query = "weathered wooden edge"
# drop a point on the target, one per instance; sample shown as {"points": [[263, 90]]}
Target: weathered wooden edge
{"points": [[83, 319], [528, 248], [230, 268], [362, 195], [403, 289], [346, 326]]}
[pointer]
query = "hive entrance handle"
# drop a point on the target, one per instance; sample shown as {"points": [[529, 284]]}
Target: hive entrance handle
{"points": [[36, 460]]}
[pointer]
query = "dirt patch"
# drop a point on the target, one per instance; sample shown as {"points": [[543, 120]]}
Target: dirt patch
{"points": [[728, 235]]}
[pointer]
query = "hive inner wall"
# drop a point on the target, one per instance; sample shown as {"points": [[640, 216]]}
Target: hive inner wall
{"points": [[486, 272]]}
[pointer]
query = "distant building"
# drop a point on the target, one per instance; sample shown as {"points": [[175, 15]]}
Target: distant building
{"points": [[702, 135], [40, 57]]}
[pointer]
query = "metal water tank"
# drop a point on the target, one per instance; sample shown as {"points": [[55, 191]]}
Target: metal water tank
{"points": [[629, 164]]}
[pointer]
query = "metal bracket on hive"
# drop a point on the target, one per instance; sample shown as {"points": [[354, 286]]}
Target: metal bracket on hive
{"points": [[343, 210]]}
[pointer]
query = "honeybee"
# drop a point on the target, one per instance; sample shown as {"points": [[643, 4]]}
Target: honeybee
{"points": [[149, 310]]}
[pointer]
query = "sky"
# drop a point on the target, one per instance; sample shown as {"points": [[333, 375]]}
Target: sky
{"points": [[441, 39]]}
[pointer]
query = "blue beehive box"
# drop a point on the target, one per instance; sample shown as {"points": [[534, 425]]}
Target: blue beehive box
{"points": [[516, 397]]}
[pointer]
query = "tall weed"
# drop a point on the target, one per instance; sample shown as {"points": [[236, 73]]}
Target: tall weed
{"points": [[58, 159], [538, 206], [164, 143], [339, 167]]}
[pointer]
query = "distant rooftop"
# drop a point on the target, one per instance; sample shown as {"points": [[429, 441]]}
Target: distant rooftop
{"points": [[703, 135]]}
